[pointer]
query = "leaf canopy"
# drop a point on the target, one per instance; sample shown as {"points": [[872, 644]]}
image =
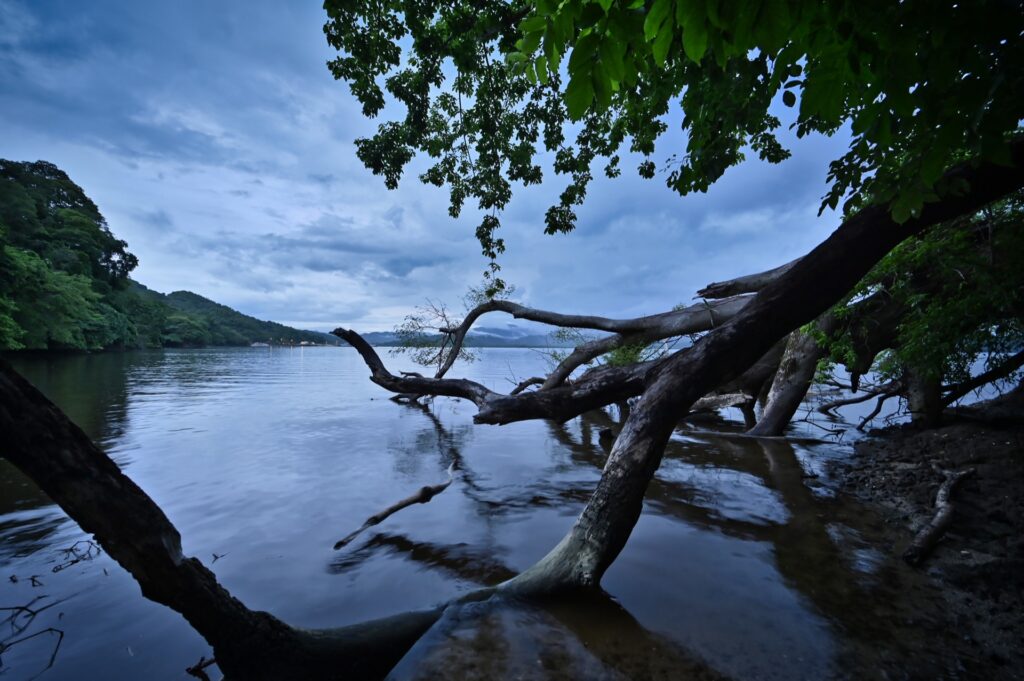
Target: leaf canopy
{"points": [[487, 88]]}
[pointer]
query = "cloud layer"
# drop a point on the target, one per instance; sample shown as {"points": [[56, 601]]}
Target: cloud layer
{"points": [[217, 144]]}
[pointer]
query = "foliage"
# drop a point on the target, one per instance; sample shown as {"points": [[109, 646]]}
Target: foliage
{"points": [[961, 289], [492, 89], [625, 354], [64, 281], [420, 336]]}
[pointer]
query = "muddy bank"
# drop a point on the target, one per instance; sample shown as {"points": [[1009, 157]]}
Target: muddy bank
{"points": [[979, 562]]}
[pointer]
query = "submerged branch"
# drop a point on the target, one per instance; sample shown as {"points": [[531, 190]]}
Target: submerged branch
{"points": [[425, 494]]}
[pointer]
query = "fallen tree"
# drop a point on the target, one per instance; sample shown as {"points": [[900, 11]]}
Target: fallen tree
{"points": [[621, 78], [58, 457]]}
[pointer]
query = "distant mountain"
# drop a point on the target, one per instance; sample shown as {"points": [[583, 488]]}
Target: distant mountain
{"points": [[484, 337], [234, 328], [64, 281]]}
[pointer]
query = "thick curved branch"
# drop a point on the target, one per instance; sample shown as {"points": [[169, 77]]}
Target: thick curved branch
{"points": [[807, 289], [750, 283], [647, 329], [458, 334], [40, 440], [411, 383]]}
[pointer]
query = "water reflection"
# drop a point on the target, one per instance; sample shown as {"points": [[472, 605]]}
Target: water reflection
{"points": [[742, 564], [92, 390]]}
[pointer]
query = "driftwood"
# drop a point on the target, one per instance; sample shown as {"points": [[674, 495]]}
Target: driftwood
{"points": [[425, 494], [929, 535]]}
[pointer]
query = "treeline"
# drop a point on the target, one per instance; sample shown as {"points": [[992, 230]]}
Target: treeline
{"points": [[64, 280]]}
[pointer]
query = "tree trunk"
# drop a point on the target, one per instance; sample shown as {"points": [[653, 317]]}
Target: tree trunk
{"points": [[805, 290], [924, 399], [792, 380]]}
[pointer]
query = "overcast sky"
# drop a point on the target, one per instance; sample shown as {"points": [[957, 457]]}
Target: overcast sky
{"points": [[216, 142]]}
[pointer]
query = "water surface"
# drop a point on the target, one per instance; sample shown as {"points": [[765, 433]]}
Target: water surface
{"points": [[743, 564]]}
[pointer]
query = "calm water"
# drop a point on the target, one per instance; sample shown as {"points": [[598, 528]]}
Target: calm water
{"points": [[743, 564]]}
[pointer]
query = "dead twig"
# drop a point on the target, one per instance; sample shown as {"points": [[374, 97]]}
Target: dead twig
{"points": [[198, 670], [75, 554]]}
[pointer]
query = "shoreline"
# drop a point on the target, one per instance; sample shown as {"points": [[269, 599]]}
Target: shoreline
{"points": [[978, 564]]}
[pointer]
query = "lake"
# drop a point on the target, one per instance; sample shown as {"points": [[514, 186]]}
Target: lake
{"points": [[744, 563]]}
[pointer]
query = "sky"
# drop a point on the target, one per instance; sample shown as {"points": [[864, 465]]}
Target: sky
{"points": [[215, 141]]}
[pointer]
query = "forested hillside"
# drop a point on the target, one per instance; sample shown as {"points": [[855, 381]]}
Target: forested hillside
{"points": [[64, 281]]}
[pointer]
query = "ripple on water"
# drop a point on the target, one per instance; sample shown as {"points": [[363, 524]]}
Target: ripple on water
{"points": [[264, 458]]}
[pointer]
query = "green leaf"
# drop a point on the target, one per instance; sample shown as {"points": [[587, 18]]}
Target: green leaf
{"points": [[695, 41], [662, 44], [529, 42], [788, 98], [656, 18], [612, 53], [583, 52], [533, 24], [579, 95], [602, 91], [540, 64], [690, 17]]}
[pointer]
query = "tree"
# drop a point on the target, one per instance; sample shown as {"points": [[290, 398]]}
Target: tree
{"points": [[919, 89], [625, 68]]}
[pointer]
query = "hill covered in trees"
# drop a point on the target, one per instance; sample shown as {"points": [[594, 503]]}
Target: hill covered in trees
{"points": [[64, 280]]}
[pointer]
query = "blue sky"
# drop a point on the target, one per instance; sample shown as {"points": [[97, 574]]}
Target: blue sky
{"points": [[216, 142]]}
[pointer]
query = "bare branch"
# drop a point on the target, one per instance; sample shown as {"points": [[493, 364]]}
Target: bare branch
{"points": [[413, 385], [875, 411], [890, 388], [702, 316], [524, 384], [596, 388], [1006, 368]]}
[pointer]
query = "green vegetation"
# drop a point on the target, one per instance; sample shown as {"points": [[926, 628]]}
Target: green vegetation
{"points": [[489, 88], [64, 281], [958, 296]]}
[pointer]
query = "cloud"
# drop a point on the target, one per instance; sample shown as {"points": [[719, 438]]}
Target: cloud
{"points": [[217, 144]]}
